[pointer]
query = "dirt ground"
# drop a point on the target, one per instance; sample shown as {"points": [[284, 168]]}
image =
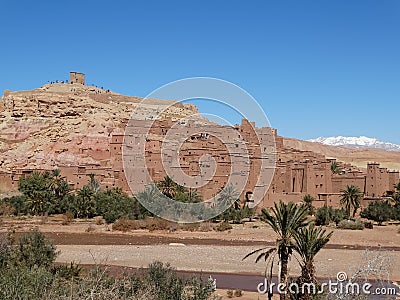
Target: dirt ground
{"points": [[88, 243]]}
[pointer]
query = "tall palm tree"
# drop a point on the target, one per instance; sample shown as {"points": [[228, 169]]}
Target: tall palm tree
{"points": [[93, 183], [308, 201], [285, 220], [149, 198], [229, 196], [308, 242], [351, 199], [168, 187], [85, 205]]}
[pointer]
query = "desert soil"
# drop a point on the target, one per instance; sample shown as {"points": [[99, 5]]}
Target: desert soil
{"points": [[210, 251]]}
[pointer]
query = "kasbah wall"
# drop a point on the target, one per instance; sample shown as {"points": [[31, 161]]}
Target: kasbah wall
{"points": [[297, 173]]}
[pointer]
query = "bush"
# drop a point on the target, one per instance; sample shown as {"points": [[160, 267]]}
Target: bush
{"points": [[378, 211], [229, 293], [368, 225], [238, 293], [18, 204], [223, 226], [35, 250], [325, 215], [164, 284], [5, 249], [68, 217], [6, 209], [18, 282], [124, 224], [113, 204], [71, 271], [350, 224], [29, 275], [236, 215]]}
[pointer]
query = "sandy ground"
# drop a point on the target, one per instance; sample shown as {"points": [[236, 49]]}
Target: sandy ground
{"points": [[209, 251], [251, 232], [226, 259]]}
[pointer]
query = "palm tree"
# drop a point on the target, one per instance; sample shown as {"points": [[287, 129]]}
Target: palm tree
{"points": [[36, 188], [308, 201], [194, 196], [84, 202], [308, 242], [335, 168], [150, 197], [351, 198], [229, 196], [93, 183], [285, 220], [168, 187]]}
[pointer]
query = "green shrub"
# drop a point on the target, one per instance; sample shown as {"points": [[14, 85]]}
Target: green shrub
{"points": [[325, 215], [223, 226], [350, 224], [164, 284], [378, 211], [113, 204], [35, 250], [18, 203], [21, 282], [68, 271], [338, 215], [236, 215]]}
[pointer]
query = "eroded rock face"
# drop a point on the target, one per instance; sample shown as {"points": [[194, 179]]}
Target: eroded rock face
{"points": [[65, 124]]}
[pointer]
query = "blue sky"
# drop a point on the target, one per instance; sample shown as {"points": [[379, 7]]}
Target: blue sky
{"points": [[318, 68]]}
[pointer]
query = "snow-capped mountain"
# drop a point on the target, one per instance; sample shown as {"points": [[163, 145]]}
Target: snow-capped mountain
{"points": [[356, 142]]}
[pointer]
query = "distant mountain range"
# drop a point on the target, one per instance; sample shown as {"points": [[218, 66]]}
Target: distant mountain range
{"points": [[356, 142]]}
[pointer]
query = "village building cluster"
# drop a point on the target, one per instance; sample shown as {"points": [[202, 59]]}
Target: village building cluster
{"points": [[210, 156]]}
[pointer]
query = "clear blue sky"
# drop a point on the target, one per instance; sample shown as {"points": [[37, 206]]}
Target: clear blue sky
{"points": [[318, 68]]}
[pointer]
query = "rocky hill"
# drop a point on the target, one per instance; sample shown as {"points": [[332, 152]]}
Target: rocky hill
{"points": [[71, 124], [49, 126]]}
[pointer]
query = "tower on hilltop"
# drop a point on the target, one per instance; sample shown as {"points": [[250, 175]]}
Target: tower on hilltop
{"points": [[75, 77]]}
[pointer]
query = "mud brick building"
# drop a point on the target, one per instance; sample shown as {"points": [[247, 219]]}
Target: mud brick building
{"points": [[295, 173]]}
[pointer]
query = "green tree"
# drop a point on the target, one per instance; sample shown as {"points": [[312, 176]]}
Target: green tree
{"points": [[285, 220], [229, 196], [150, 197], [308, 242], [335, 168], [36, 188], [194, 196], [93, 184], [168, 187], [84, 206], [113, 204], [351, 199], [35, 250], [308, 202], [59, 189], [378, 211]]}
